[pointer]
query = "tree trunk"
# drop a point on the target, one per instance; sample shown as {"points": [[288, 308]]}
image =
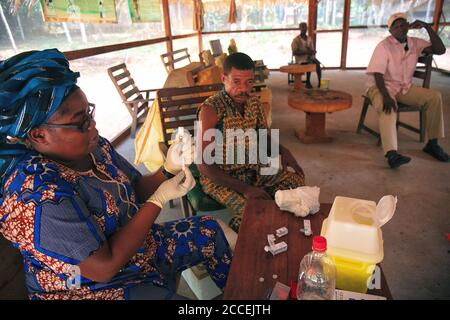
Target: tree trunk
{"points": [[11, 38], [180, 19], [20, 26], [333, 13], [83, 33], [427, 17], [67, 32], [381, 13], [362, 12]]}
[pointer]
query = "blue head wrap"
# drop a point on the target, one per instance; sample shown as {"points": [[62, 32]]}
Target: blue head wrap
{"points": [[33, 86]]}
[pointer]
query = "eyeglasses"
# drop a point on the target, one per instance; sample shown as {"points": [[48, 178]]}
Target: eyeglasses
{"points": [[83, 126]]}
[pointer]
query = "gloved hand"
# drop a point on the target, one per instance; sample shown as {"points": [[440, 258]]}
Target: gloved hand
{"points": [[180, 153], [173, 188]]}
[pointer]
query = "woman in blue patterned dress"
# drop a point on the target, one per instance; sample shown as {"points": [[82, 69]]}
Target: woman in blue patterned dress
{"points": [[80, 214]]}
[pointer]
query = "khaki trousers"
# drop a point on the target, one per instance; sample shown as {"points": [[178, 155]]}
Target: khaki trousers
{"points": [[428, 99]]}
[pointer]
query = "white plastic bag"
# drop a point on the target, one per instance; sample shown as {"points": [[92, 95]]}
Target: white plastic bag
{"points": [[300, 201]]}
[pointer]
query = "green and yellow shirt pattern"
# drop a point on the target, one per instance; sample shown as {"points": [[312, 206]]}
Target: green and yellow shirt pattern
{"points": [[229, 118]]}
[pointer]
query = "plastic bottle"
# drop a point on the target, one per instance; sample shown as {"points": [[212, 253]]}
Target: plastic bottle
{"points": [[317, 274]]}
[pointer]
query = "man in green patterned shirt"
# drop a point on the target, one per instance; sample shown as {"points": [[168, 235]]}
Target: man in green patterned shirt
{"points": [[231, 183]]}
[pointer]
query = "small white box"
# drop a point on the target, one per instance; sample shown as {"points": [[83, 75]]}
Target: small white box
{"points": [[271, 239], [307, 227], [278, 248], [281, 232]]}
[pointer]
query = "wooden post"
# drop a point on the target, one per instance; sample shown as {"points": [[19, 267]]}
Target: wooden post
{"points": [[345, 26], [199, 18], [200, 41], [312, 20], [167, 28], [437, 14]]}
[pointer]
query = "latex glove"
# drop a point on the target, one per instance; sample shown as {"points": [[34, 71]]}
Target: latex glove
{"points": [[180, 153], [173, 188]]}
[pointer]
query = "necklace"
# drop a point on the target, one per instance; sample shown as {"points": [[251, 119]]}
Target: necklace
{"points": [[110, 179]]}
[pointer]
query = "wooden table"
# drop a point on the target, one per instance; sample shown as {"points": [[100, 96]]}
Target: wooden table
{"points": [[316, 103], [298, 70], [251, 262]]}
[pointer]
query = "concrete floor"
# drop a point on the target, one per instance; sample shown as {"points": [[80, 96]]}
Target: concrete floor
{"points": [[417, 257], [416, 250]]}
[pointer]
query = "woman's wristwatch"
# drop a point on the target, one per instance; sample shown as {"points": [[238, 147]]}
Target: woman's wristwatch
{"points": [[167, 174]]}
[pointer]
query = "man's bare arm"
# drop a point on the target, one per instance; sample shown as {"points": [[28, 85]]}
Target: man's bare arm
{"points": [[437, 46], [388, 102]]}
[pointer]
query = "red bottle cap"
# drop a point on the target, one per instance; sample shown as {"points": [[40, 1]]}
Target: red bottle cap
{"points": [[294, 290], [319, 244]]}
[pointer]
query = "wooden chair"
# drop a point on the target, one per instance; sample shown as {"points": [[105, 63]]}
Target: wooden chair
{"points": [[423, 71], [170, 58], [290, 75], [178, 108], [132, 97]]}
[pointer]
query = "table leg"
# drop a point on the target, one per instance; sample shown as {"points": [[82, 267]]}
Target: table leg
{"points": [[298, 81], [315, 129]]}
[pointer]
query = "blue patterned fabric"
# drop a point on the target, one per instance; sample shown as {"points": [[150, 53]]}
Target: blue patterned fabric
{"points": [[58, 217], [33, 86]]}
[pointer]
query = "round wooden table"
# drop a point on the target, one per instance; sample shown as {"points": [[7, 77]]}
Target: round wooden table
{"points": [[316, 103], [298, 70]]}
